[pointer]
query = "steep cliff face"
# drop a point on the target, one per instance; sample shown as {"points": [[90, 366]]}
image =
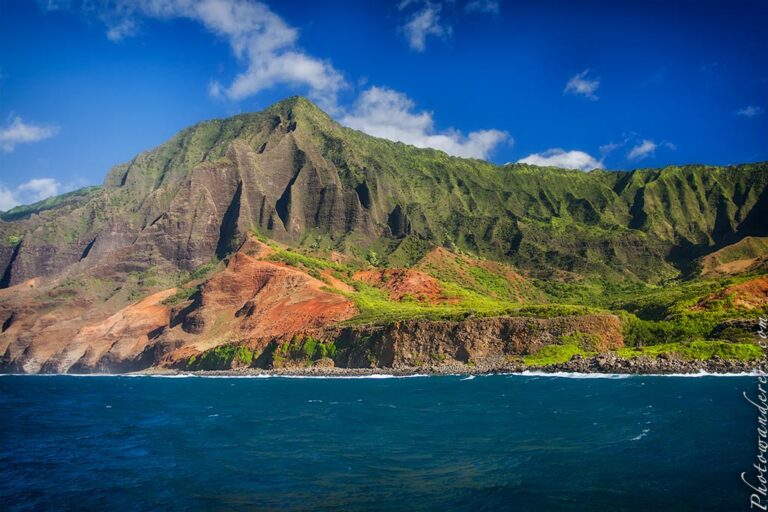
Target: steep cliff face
{"points": [[487, 342], [195, 197], [293, 174], [479, 341], [72, 267]]}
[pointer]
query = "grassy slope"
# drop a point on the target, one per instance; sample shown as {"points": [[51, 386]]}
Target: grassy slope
{"points": [[656, 319]]}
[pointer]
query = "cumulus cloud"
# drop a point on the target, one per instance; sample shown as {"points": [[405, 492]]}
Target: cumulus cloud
{"points": [[39, 188], [390, 114], [18, 132], [581, 84], [643, 149], [483, 6], [32, 191], [262, 41], [7, 199], [749, 111], [425, 22], [557, 157]]}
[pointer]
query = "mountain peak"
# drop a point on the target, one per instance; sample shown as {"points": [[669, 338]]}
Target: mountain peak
{"points": [[295, 107]]}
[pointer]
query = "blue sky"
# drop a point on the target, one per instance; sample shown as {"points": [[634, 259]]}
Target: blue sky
{"points": [[620, 85]]}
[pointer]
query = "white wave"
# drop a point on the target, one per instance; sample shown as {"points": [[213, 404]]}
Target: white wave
{"points": [[370, 376], [576, 375], [572, 375], [642, 434], [702, 373], [468, 377]]}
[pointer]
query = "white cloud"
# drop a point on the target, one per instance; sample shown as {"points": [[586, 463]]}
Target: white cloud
{"points": [[423, 23], [18, 132], [580, 84], [749, 111], [483, 6], [643, 149], [640, 148], [32, 191], [122, 29], [606, 149], [7, 199], [390, 114], [262, 41], [557, 157], [38, 189]]}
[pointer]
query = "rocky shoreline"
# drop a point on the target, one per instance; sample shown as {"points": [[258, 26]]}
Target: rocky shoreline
{"points": [[607, 363]]}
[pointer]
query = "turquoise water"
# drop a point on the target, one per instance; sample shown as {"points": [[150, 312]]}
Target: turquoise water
{"points": [[423, 443]]}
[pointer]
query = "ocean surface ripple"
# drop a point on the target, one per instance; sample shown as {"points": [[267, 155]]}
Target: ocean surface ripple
{"points": [[506, 442]]}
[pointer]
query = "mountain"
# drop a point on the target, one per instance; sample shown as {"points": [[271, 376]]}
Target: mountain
{"points": [[204, 242]]}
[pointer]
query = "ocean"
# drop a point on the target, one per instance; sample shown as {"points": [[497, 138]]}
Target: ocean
{"points": [[504, 442]]}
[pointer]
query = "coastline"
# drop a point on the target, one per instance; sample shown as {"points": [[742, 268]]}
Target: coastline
{"points": [[603, 364], [606, 365]]}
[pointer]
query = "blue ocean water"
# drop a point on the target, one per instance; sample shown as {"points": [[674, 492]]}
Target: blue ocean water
{"points": [[522, 443]]}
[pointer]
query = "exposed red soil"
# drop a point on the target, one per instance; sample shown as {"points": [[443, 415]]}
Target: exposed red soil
{"points": [[253, 299], [334, 282], [441, 257], [401, 282], [256, 249], [273, 299], [750, 294]]}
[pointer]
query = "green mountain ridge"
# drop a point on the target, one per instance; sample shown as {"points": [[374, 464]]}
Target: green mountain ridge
{"points": [[347, 191], [463, 239]]}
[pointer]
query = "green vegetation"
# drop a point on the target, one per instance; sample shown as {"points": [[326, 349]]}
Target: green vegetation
{"points": [[221, 358], [484, 277], [696, 350], [201, 272], [376, 307], [13, 240], [702, 350], [70, 198], [181, 295], [373, 258], [303, 261], [620, 226], [302, 350], [567, 346]]}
